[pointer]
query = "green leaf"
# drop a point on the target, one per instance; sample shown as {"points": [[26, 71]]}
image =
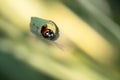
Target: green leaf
{"points": [[36, 24]]}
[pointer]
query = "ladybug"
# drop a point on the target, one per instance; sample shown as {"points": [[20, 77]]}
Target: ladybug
{"points": [[44, 28], [47, 33]]}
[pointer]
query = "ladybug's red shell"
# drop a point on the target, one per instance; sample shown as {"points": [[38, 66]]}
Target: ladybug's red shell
{"points": [[44, 32]]}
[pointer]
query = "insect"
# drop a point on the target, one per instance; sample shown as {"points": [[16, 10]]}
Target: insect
{"points": [[47, 33], [46, 29]]}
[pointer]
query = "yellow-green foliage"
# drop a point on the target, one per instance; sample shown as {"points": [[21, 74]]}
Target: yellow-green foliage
{"points": [[88, 47]]}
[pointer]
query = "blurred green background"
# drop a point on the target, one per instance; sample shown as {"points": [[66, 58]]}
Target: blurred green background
{"points": [[88, 47]]}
